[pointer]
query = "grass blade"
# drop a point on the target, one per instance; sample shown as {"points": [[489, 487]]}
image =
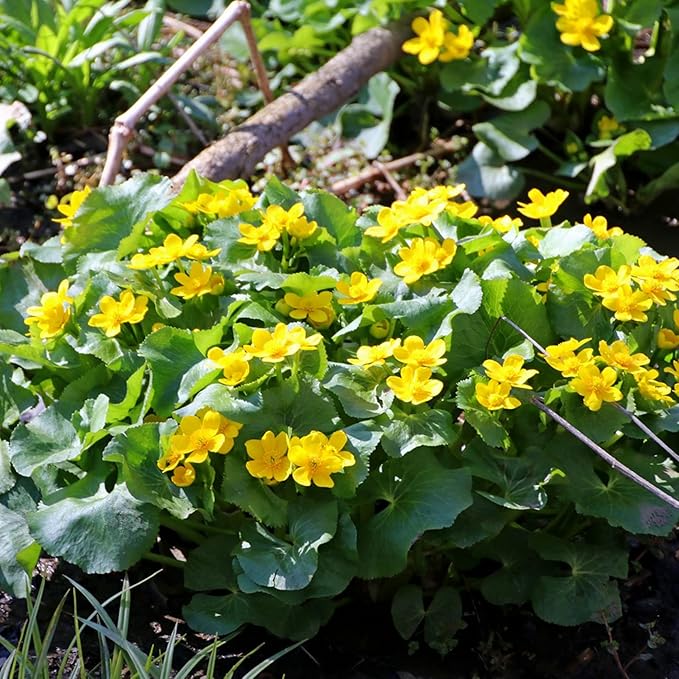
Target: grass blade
{"points": [[256, 671]]}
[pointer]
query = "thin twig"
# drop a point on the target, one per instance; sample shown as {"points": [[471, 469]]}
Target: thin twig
{"points": [[632, 417], [123, 126], [396, 187], [179, 25], [524, 334], [604, 455], [614, 649], [647, 431], [372, 173], [197, 132]]}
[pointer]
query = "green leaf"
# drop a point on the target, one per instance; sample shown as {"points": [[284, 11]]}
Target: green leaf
{"points": [[483, 520], [599, 425], [443, 620], [421, 495], [632, 89], [250, 494], [334, 215], [14, 398], [486, 175], [587, 591], [362, 393], [405, 433], [170, 353], [509, 134], [552, 62], [100, 533], [225, 614], [487, 424], [208, 566], [288, 565], [137, 450], [563, 241], [112, 218], [624, 146], [523, 305], [468, 293], [407, 610], [47, 439], [14, 538], [597, 490]]}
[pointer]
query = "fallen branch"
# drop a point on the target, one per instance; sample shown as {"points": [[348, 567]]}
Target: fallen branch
{"points": [[123, 126], [370, 174], [319, 94]]}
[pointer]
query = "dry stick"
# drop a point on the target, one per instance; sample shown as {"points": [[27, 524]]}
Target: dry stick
{"points": [[607, 457], [396, 187], [123, 126], [179, 25], [318, 94], [630, 415], [372, 173], [197, 132]]}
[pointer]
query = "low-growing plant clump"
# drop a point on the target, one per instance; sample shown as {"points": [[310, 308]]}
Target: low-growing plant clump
{"points": [[303, 396]]}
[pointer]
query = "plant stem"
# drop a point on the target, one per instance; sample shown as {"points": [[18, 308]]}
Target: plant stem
{"points": [[523, 333], [164, 560], [179, 527], [651, 434], [576, 186]]}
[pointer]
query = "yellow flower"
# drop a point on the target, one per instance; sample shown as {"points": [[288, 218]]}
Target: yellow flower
{"points": [[657, 291], [184, 475], [562, 356], [129, 309], [143, 261], [502, 224], [264, 237], [665, 272], [414, 385], [651, 388], [358, 289], [608, 126], [496, 396], [283, 342], [316, 457], [542, 205], [223, 203], [511, 371], [580, 23], [422, 206], [390, 221], [457, 46], [276, 220], [464, 210], [53, 313], [618, 355], [169, 460], [198, 436], [70, 205], [445, 252], [414, 352], [269, 457], [674, 370], [595, 386], [172, 249], [368, 356], [667, 339], [430, 36], [628, 305], [418, 259], [199, 281], [606, 280], [599, 225], [227, 427], [315, 307], [233, 363]]}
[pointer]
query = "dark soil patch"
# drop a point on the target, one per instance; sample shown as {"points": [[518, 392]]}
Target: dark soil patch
{"points": [[361, 643]]}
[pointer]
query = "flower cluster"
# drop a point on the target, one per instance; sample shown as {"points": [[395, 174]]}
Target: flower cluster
{"points": [[601, 385], [580, 23], [197, 435], [222, 203], [172, 249], [311, 459], [53, 313], [542, 206], [69, 206], [434, 40], [502, 378], [277, 221], [657, 281]]}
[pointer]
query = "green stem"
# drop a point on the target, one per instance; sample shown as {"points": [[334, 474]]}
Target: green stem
{"points": [[562, 181], [286, 251], [550, 154], [179, 527], [164, 560], [546, 222]]}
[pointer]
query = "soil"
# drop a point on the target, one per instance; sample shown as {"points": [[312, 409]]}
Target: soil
{"points": [[360, 642]]}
